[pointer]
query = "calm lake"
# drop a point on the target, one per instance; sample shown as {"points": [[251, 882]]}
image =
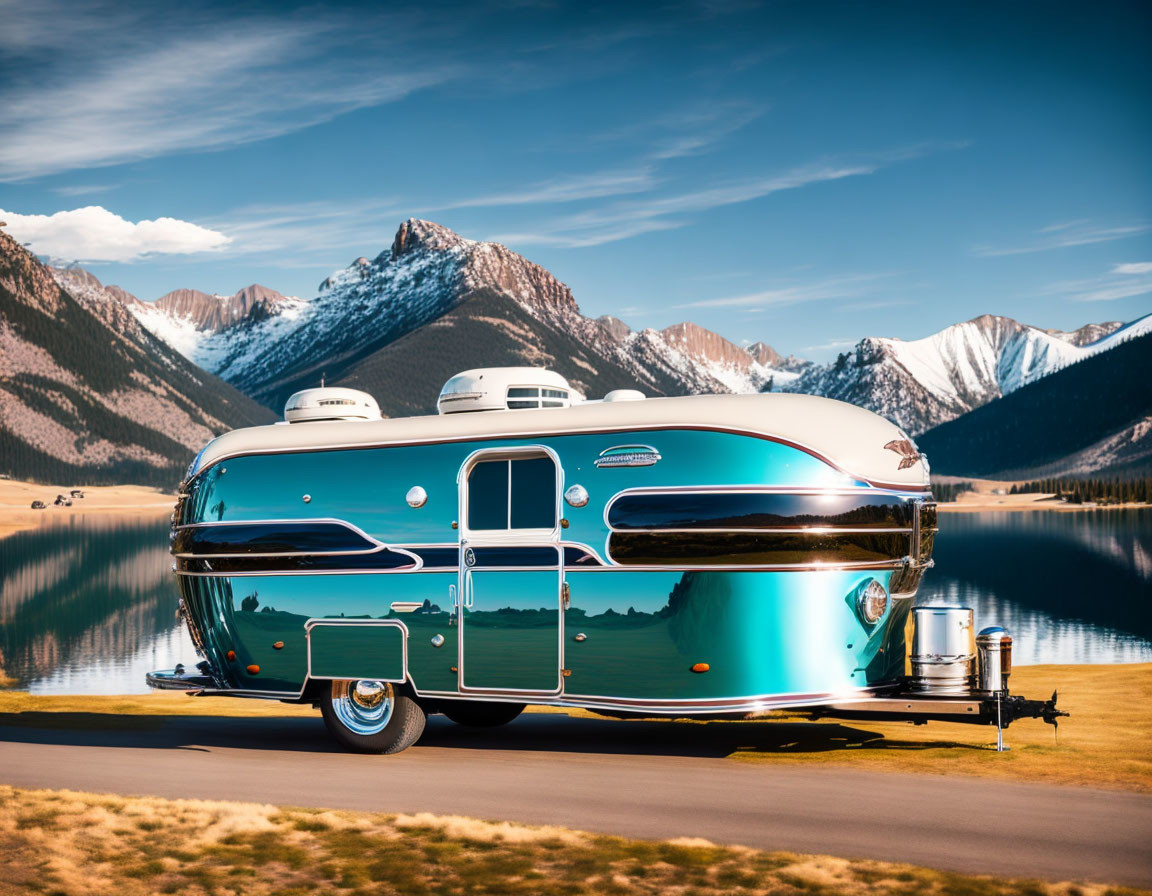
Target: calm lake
{"points": [[88, 605]]}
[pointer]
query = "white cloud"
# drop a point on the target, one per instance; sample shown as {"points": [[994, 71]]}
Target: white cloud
{"points": [[1136, 267], [94, 234], [1065, 235]]}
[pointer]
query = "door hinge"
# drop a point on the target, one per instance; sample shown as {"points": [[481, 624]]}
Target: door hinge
{"points": [[565, 596]]}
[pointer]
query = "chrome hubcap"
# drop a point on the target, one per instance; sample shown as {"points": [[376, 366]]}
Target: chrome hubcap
{"points": [[364, 707]]}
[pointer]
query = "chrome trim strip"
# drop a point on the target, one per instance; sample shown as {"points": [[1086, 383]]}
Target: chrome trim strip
{"points": [[319, 621], [806, 567]]}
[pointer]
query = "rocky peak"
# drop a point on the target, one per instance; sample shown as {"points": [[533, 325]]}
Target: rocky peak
{"points": [[1088, 333], [763, 353], [614, 327], [704, 345], [417, 234], [212, 313]]}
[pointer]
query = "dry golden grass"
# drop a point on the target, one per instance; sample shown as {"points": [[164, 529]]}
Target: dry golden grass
{"points": [[1107, 741], [84, 844], [16, 498], [51, 710]]}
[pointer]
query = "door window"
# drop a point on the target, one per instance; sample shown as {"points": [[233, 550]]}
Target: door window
{"points": [[517, 493]]}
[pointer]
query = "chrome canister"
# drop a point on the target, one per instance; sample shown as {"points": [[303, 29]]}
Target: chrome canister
{"points": [[943, 649], [993, 660]]}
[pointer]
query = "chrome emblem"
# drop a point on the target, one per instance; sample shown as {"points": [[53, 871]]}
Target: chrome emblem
{"points": [[469, 557], [907, 451], [628, 456]]}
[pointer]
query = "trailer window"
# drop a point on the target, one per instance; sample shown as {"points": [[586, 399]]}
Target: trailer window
{"points": [[517, 493]]}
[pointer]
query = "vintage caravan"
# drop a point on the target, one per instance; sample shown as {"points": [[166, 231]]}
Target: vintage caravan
{"points": [[718, 556]]}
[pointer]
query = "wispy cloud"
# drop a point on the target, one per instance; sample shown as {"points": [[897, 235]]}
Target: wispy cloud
{"points": [[628, 218], [794, 294], [1064, 235], [1124, 281], [94, 234], [579, 240], [206, 87], [566, 189], [830, 346], [695, 132], [307, 234], [84, 189]]}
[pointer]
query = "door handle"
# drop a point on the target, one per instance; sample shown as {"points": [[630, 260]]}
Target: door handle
{"points": [[452, 596]]}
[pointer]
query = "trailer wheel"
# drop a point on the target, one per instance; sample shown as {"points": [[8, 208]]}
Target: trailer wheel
{"points": [[477, 714], [370, 717]]}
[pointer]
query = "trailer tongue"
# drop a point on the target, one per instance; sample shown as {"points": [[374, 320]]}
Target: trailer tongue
{"points": [[955, 678]]}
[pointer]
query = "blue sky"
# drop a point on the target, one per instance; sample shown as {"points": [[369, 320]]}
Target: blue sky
{"points": [[806, 174]]}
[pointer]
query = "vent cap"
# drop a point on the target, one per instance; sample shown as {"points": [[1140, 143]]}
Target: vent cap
{"points": [[330, 403], [505, 388]]}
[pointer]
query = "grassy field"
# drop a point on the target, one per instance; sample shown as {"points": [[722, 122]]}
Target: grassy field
{"points": [[61, 842], [1107, 742]]}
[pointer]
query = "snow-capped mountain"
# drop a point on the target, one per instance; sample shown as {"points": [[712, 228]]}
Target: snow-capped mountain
{"points": [[469, 303], [271, 347], [925, 382]]}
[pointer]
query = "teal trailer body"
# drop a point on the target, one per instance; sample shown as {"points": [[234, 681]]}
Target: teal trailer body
{"points": [[719, 555]]}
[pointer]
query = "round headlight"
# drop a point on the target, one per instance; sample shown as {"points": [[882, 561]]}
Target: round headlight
{"points": [[872, 602]]}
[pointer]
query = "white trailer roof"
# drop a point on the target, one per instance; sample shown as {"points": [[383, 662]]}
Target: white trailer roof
{"points": [[855, 440]]}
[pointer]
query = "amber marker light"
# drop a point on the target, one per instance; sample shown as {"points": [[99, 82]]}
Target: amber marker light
{"points": [[279, 645], [701, 667], [253, 669], [231, 654]]}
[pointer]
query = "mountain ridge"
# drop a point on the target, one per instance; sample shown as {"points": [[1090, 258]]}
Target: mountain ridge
{"points": [[270, 345], [88, 394]]}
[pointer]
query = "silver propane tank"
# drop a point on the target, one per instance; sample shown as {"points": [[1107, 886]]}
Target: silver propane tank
{"points": [[993, 660], [943, 649]]}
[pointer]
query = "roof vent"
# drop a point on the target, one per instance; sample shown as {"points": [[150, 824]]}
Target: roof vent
{"points": [[624, 395], [330, 403], [505, 388]]}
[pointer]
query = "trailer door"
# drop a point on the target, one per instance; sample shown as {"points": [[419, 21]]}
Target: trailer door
{"points": [[511, 572]]}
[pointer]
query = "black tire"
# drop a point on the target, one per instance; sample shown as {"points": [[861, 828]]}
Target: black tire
{"points": [[389, 727], [479, 714]]}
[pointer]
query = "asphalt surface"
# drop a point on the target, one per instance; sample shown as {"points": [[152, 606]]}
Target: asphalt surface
{"points": [[639, 779]]}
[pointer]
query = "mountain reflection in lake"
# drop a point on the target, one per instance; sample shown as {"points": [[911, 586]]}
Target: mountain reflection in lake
{"points": [[1072, 587], [88, 605]]}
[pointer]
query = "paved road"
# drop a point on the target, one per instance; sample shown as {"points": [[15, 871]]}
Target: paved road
{"points": [[639, 779]]}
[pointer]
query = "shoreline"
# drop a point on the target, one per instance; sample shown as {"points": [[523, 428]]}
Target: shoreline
{"points": [[16, 497], [17, 515], [993, 495]]}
